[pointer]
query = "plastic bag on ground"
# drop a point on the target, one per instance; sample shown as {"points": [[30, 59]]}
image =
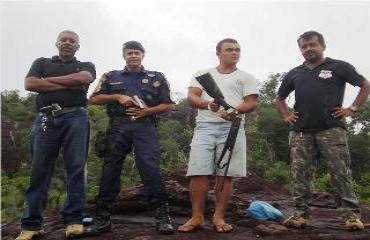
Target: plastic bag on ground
{"points": [[261, 210]]}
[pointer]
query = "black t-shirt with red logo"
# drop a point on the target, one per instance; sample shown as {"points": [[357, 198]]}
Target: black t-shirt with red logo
{"points": [[318, 91]]}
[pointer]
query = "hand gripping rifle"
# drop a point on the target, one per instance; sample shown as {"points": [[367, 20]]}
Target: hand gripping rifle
{"points": [[208, 83]]}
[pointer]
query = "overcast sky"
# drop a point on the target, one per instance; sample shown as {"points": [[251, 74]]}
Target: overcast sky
{"points": [[180, 36]]}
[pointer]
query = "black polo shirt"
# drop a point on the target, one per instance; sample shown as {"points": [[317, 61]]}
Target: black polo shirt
{"points": [[54, 67], [318, 91]]}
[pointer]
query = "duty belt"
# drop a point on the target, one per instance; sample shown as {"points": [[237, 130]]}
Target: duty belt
{"points": [[132, 119], [55, 110]]}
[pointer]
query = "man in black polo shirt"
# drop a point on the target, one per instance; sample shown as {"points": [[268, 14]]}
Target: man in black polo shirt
{"points": [[318, 126], [62, 123]]}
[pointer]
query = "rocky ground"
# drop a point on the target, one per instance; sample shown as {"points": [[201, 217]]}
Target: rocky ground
{"points": [[132, 220]]}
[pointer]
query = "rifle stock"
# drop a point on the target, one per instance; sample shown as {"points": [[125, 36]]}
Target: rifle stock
{"points": [[208, 83]]}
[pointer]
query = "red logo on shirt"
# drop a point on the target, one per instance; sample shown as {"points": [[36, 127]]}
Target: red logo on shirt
{"points": [[325, 74]]}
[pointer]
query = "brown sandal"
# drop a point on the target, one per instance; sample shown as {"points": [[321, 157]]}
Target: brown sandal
{"points": [[217, 228], [187, 228]]}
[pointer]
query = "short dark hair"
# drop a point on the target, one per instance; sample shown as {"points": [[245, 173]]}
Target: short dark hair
{"points": [[226, 40], [69, 31], [311, 34], [133, 45]]}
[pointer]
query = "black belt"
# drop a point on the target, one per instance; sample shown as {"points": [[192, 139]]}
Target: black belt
{"points": [[131, 119], [59, 112]]}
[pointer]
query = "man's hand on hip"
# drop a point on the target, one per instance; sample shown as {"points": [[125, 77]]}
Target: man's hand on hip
{"points": [[292, 118], [342, 113]]}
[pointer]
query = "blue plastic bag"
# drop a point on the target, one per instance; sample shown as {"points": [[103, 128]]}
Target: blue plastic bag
{"points": [[263, 211]]}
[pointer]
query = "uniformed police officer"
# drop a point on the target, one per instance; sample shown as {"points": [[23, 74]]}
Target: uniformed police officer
{"points": [[132, 127]]}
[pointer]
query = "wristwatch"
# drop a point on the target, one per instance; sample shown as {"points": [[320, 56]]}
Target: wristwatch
{"points": [[353, 108]]}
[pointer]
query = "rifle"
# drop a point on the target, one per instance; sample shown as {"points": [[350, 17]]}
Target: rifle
{"points": [[208, 83]]}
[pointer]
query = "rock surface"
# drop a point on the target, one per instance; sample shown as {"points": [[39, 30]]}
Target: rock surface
{"points": [[133, 220]]}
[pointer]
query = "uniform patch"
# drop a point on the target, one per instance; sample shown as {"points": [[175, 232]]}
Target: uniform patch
{"points": [[98, 87], [156, 84], [145, 81], [101, 81], [103, 78], [325, 74]]}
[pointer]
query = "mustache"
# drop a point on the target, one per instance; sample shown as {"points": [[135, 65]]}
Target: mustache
{"points": [[310, 52]]}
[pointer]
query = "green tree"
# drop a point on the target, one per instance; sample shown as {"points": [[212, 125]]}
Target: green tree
{"points": [[267, 135], [17, 108], [175, 144], [268, 90], [359, 146], [361, 122]]}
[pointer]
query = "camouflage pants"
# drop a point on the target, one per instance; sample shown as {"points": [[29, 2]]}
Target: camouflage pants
{"points": [[332, 145]]}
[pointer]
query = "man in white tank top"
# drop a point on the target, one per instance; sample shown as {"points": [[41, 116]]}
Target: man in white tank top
{"points": [[240, 90]]}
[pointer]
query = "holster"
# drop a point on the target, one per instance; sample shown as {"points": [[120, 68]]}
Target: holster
{"points": [[101, 144]]}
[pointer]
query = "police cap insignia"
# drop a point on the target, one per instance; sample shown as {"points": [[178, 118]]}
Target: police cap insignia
{"points": [[157, 84], [145, 81]]}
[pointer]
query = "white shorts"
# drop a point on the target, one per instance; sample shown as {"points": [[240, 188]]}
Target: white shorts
{"points": [[206, 148]]}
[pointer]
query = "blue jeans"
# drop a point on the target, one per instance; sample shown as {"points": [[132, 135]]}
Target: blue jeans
{"points": [[49, 134]]}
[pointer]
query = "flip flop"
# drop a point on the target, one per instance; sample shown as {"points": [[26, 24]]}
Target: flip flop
{"points": [[187, 228], [221, 226]]}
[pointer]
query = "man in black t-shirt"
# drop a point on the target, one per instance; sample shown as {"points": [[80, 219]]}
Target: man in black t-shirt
{"points": [[62, 122], [318, 127]]}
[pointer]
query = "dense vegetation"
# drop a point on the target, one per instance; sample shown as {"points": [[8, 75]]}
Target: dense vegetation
{"points": [[267, 136]]}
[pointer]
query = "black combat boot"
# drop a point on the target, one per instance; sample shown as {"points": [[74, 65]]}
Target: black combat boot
{"points": [[101, 221], [163, 219]]}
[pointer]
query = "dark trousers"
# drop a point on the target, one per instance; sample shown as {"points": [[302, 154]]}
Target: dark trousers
{"points": [[70, 132], [141, 137]]}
